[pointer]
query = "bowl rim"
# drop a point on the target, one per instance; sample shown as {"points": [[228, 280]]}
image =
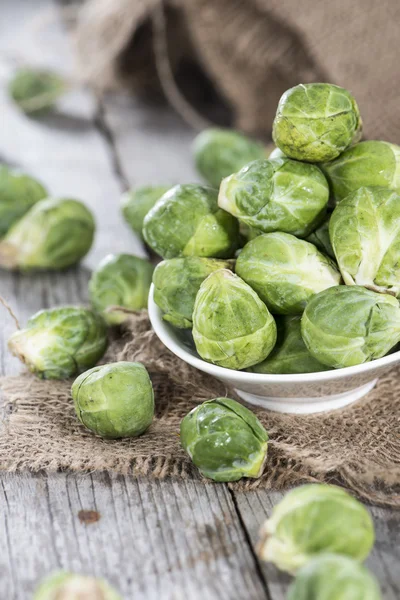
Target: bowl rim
{"points": [[162, 330]]}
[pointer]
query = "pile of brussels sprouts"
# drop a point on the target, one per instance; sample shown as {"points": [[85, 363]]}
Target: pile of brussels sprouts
{"points": [[287, 264]]}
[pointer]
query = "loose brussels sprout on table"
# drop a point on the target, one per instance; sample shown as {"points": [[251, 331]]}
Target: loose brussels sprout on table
{"points": [[72, 586], [334, 577], [18, 193], [315, 122], [187, 221], [137, 203], [372, 163], [290, 354], [345, 326], [176, 283], [60, 342], [285, 271], [220, 152], [232, 327], [365, 234], [36, 90], [225, 440], [277, 195], [53, 234], [115, 400], [120, 280], [320, 238], [315, 519]]}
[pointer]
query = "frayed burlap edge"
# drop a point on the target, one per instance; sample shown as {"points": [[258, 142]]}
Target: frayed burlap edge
{"points": [[357, 447]]}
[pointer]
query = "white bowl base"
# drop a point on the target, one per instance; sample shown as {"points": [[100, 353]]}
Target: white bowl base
{"points": [[303, 406]]}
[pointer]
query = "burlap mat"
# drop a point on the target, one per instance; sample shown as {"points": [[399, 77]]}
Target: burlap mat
{"points": [[250, 51], [357, 447]]}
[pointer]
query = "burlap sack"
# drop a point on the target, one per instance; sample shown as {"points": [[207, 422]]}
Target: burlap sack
{"points": [[250, 50], [357, 447]]}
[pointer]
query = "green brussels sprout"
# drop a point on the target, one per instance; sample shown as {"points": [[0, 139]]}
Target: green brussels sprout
{"points": [[53, 234], [220, 152], [315, 519], [232, 328], [71, 586], [345, 326], [285, 271], [120, 280], [290, 354], [18, 193], [114, 400], [320, 238], [365, 235], [137, 203], [334, 577], [277, 195], [366, 164], [35, 90], [60, 342], [225, 440], [186, 221], [176, 283], [315, 122]]}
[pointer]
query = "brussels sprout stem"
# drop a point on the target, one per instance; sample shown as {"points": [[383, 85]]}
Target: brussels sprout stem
{"points": [[282, 554], [380, 289], [8, 256], [258, 466]]}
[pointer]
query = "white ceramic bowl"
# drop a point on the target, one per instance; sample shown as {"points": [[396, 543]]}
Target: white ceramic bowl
{"points": [[305, 393]]}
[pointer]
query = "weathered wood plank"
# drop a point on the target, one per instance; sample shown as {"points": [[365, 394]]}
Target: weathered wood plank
{"points": [[256, 506], [156, 540]]}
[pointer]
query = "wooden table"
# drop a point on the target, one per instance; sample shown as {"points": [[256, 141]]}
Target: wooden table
{"points": [[156, 540]]}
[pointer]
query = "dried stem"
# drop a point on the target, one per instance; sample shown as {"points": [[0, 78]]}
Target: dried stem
{"points": [[10, 312]]}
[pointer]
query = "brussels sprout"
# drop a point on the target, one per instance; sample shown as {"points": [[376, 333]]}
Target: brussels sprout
{"points": [[285, 271], [365, 234], [349, 325], [137, 203], [225, 440], [53, 234], [315, 122], [176, 283], [232, 328], [365, 164], [60, 342], [36, 91], [315, 519], [220, 152], [334, 577], [290, 354], [277, 195], [120, 280], [18, 193], [186, 221], [320, 238], [71, 586], [114, 400]]}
